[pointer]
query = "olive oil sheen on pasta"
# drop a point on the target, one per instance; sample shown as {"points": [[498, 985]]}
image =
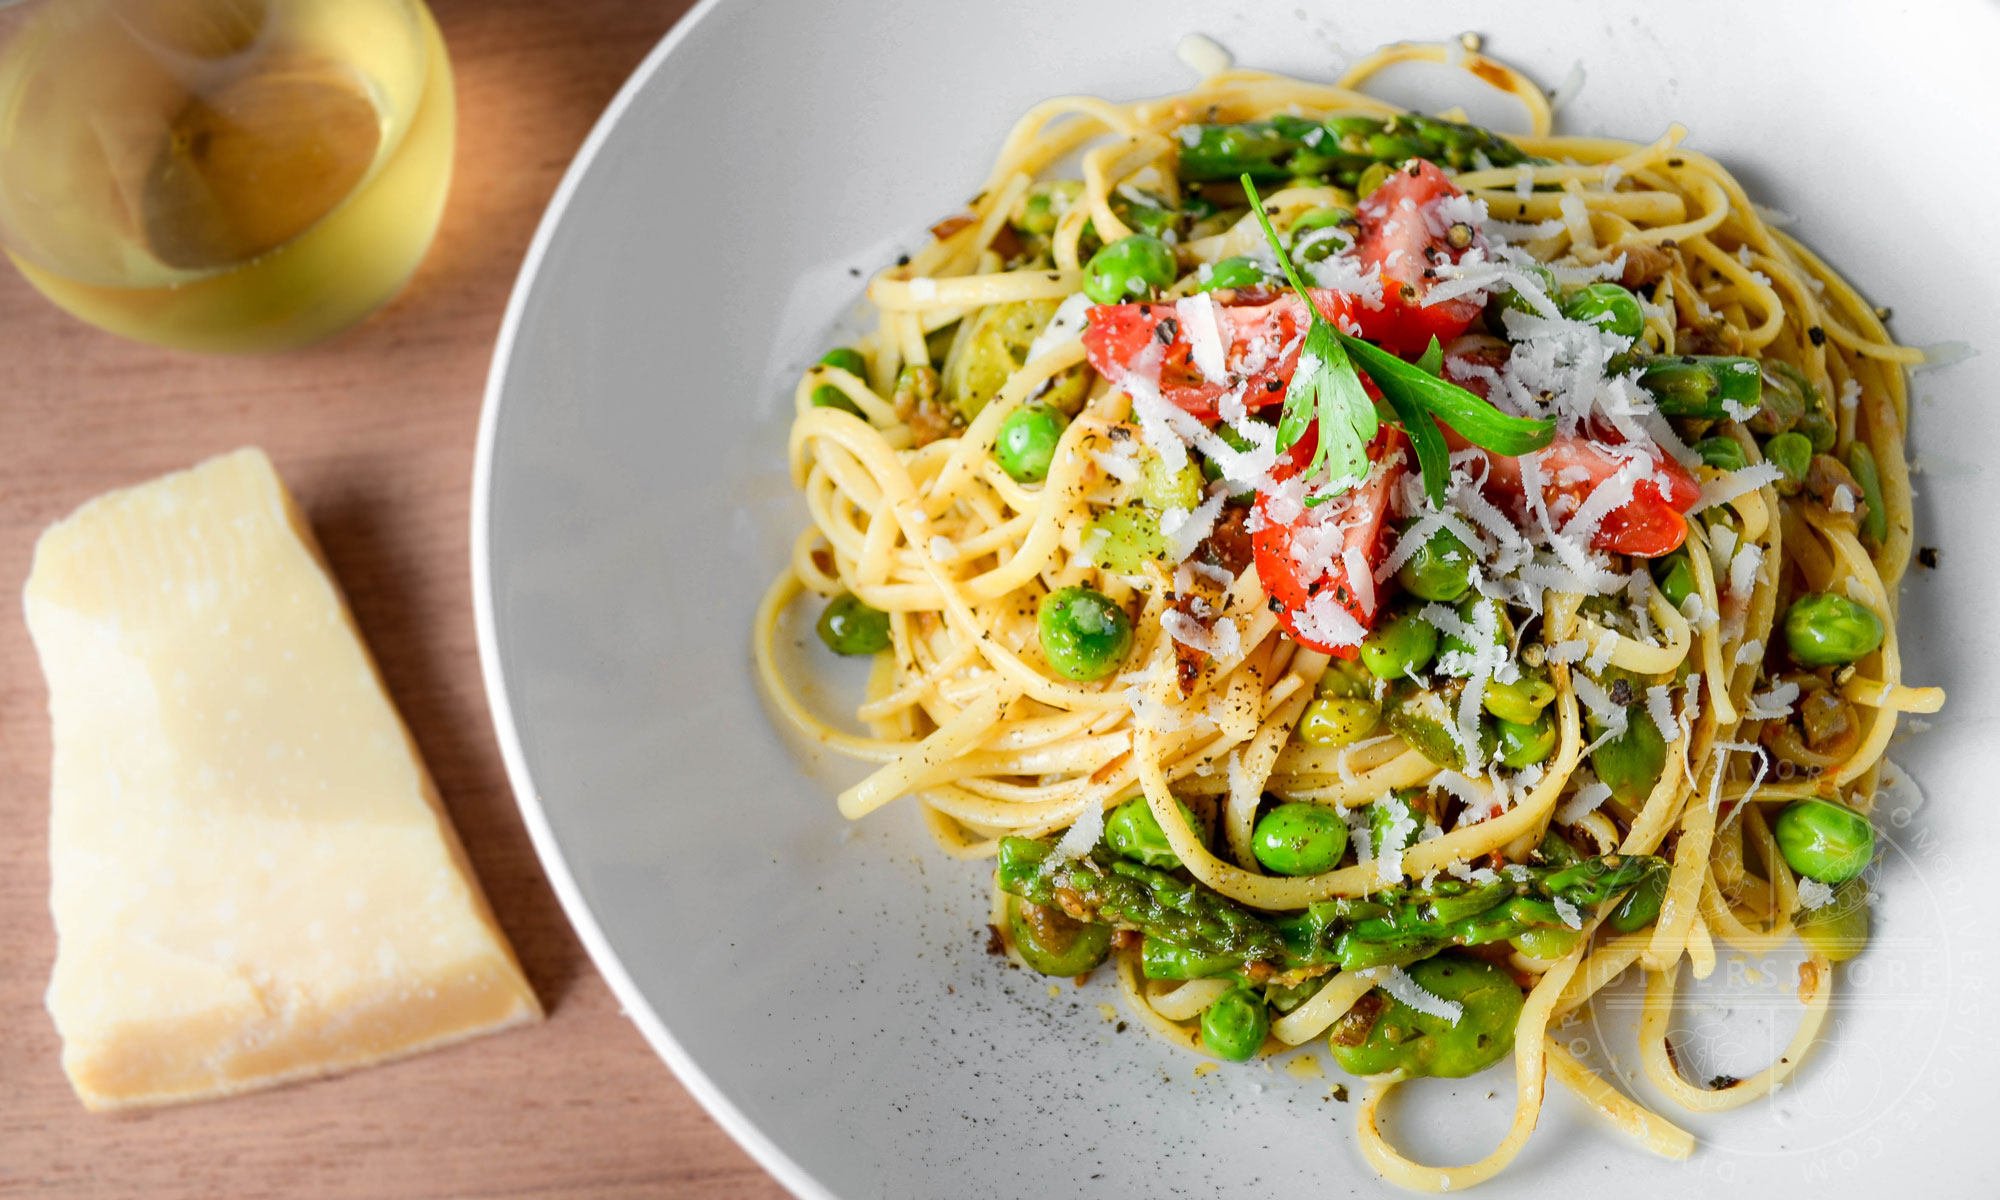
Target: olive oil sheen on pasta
{"points": [[223, 175]]}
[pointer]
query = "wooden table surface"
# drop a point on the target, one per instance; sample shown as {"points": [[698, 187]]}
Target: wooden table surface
{"points": [[374, 431]]}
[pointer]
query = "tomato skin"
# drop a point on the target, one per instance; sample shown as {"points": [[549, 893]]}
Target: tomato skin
{"points": [[1397, 240], [1363, 511], [1652, 523], [1260, 346]]}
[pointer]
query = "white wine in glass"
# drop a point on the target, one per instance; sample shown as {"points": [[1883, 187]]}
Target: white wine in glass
{"points": [[222, 175]]}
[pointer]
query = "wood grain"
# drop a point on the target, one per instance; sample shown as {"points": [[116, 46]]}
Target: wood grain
{"points": [[374, 431]]}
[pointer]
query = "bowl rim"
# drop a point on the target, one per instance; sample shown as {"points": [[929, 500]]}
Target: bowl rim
{"points": [[520, 777]]}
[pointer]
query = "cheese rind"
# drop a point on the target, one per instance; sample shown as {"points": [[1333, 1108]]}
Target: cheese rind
{"points": [[252, 877]]}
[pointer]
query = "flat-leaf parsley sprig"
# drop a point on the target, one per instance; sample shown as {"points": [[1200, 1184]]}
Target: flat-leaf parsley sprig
{"points": [[1325, 387]]}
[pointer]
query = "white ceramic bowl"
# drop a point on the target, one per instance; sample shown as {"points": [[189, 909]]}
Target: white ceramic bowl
{"points": [[823, 989]]}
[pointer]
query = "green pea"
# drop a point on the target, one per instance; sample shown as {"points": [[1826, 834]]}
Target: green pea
{"points": [[1371, 178], [1052, 942], [1546, 942], [1163, 488], [1520, 702], [1783, 388], [1133, 832], [828, 396], [1299, 839], [1441, 569], [1838, 928], [1286, 999], [1084, 635], [1791, 453], [1823, 840], [1804, 407], [1875, 519], [1823, 630], [1474, 610], [1323, 246], [1607, 306], [848, 626], [1235, 1025], [847, 359], [1044, 205], [1149, 216], [1631, 762], [1510, 298], [1236, 272], [1197, 207], [1641, 906], [1026, 443], [1123, 540], [1427, 718], [1128, 269], [1399, 1038], [1162, 959], [1338, 720], [1817, 426], [1674, 575], [1722, 453], [1523, 745], [1345, 680], [1404, 643]]}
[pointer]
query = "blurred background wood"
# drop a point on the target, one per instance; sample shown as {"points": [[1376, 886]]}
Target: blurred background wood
{"points": [[374, 431]]}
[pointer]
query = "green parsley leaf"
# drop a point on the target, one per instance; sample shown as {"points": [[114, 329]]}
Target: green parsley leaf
{"points": [[1474, 418], [1325, 388]]}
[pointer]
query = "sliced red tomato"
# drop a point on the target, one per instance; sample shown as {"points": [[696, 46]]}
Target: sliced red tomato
{"points": [[1260, 344], [1405, 237], [1653, 522], [1303, 562]]}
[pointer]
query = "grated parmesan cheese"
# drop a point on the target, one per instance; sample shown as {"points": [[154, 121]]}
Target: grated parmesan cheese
{"points": [[1203, 55], [1730, 484], [1399, 830], [1587, 800], [1065, 323], [1399, 985], [1660, 707], [1813, 894], [1775, 703]]}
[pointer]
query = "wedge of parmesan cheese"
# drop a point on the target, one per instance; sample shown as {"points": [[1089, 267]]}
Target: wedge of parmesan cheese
{"points": [[253, 880]]}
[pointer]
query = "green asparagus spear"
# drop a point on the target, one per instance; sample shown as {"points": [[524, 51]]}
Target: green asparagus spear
{"points": [[1340, 149], [1200, 931], [1112, 891]]}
